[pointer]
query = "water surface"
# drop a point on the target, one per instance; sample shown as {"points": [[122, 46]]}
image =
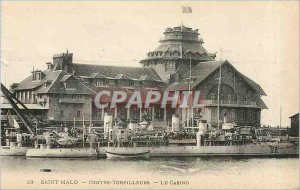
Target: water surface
{"points": [[167, 173]]}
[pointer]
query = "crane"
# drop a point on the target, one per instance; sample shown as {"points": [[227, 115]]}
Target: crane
{"points": [[13, 102]]}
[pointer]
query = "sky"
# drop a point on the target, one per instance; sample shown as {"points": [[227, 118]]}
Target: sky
{"points": [[260, 39]]}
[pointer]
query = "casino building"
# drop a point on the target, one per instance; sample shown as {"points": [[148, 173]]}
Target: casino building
{"points": [[64, 91]]}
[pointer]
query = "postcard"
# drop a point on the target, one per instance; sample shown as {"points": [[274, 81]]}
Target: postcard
{"points": [[149, 95]]}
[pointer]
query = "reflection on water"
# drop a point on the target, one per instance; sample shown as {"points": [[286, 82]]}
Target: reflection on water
{"points": [[226, 170]]}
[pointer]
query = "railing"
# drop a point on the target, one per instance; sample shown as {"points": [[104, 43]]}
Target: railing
{"points": [[188, 38], [72, 100], [29, 101], [229, 102], [24, 101]]}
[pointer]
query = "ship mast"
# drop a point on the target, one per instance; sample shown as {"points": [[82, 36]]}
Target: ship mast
{"points": [[280, 117], [190, 80], [219, 86]]}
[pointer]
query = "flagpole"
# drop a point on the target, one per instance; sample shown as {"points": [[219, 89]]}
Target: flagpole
{"points": [[181, 18], [219, 88], [190, 90]]}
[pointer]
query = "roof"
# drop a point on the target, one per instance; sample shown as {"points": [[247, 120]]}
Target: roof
{"points": [[187, 44], [113, 71], [28, 83], [96, 75], [78, 87], [65, 77], [178, 86], [253, 84], [51, 76], [54, 79], [146, 77], [202, 70], [260, 103], [296, 115], [122, 76]]}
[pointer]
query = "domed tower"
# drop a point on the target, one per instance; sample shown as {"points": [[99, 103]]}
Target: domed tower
{"points": [[179, 46]]}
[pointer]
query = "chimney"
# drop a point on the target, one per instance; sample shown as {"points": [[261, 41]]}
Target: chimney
{"points": [[63, 61], [49, 65]]}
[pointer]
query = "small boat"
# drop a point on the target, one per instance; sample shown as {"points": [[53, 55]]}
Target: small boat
{"points": [[44, 152], [128, 154], [67, 141], [13, 150]]}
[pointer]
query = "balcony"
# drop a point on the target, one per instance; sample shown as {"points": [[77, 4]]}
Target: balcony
{"points": [[24, 101], [229, 103], [71, 100], [29, 101]]}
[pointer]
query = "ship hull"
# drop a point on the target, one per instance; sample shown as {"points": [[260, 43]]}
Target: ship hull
{"points": [[61, 153], [250, 150], [13, 151]]}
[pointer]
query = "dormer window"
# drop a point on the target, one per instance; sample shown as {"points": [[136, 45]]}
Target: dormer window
{"points": [[101, 82], [37, 75], [46, 83], [49, 66], [125, 83]]}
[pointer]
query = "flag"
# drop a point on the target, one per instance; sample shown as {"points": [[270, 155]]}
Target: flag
{"points": [[186, 9]]}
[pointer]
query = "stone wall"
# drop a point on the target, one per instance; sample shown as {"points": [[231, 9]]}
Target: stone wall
{"points": [[67, 111]]}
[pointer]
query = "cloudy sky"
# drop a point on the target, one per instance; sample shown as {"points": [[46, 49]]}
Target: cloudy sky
{"points": [[261, 39]]}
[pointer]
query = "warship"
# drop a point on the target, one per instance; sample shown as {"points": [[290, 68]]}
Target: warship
{"points": [[143, 140]]}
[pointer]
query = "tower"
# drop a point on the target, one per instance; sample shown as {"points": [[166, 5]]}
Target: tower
{"points": [[179, 46]]}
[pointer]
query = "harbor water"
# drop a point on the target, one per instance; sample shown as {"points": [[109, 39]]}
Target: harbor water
{"points": [[157, 173]]}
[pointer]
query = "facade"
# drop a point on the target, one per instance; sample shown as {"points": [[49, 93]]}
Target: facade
{"points": [[181, 51], [295, 125], [65, 90]]}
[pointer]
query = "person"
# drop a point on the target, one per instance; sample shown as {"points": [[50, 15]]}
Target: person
{"points": [[66, 128]]}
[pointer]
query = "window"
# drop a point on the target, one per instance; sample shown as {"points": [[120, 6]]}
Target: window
{"points": [[101, 82], [61, 113], [78, 114], [37, 75], [125, 83], [170, 66], [49, 66]]}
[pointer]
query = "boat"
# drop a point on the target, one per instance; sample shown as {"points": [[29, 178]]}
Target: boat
{"points": [[67, 141], [61, 153], [18, 147], [262, 149], [127, 153], [13, 150]]}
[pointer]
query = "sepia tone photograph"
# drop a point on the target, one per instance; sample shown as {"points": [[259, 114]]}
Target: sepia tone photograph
{"points": [[149, 95]]}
